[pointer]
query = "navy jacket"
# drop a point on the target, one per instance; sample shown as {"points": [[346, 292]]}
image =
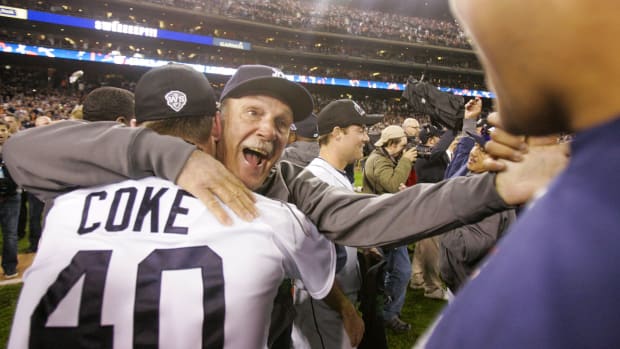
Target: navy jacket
{"points": [[555, 280]]}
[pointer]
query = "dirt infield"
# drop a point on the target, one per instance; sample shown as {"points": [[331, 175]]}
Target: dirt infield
{"points": [[24, 261]]}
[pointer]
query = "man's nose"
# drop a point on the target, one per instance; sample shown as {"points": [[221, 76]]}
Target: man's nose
{"points": [[267, 128]]}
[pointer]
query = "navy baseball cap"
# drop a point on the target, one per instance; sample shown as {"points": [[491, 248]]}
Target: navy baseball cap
{"points": [[262, 79], [171, 91], [307, 127], [344, 113]]}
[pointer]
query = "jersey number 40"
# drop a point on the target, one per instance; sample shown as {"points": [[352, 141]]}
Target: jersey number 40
{"points": [[90, 333]]}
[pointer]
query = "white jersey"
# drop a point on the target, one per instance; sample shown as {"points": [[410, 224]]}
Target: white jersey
{"points": [[316, 324], [144, 264]]}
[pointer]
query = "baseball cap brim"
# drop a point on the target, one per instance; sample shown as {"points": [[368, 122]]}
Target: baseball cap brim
{"points": [[371, 119], [291, 93]]}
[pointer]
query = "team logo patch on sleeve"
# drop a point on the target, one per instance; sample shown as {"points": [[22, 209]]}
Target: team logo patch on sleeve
{"points": [[176, 100]]}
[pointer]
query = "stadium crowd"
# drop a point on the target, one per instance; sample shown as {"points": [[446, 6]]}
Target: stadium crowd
{"points": [[330, 17], [28, 92], [307, 15], [232, 58]]}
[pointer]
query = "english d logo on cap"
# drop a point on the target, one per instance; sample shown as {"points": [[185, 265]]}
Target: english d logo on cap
{"points": [[344, 113], [359, 109], [176, 100], [257, 79]]}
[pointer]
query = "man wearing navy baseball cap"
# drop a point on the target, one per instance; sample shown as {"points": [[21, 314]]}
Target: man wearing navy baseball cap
{"points": [[258, 106], [303, 146]]}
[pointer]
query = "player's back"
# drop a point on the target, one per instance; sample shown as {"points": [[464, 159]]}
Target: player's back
{"points": [[144, 264]]}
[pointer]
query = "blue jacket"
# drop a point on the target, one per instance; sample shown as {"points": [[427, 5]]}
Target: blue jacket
{"points": [[555, 280]]}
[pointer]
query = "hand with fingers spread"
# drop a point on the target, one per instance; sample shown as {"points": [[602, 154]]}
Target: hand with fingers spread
{"points": [[207, 179]]}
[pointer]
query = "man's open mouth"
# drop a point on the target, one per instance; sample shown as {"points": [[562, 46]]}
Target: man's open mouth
{"points": [[255, 156]]}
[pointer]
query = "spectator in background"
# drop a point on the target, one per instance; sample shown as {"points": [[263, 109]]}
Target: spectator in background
{"points": [[304, 146], [458, 164], [15, 126], [76, 113], [109, 104], [13, 123], [42, 121], [412, 129], [385, 171], [10, 199], [430, 169], [35, 206], [342, 134], [462, 249]]}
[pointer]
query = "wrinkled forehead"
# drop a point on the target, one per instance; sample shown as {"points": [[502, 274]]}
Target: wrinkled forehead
{"points": [[269, 103]]}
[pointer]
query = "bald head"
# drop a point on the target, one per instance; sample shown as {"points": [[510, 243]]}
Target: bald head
{"points": [[411, 127]]}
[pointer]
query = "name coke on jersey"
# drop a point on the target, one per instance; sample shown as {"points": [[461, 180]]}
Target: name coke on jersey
{"points": [[126, 208]]}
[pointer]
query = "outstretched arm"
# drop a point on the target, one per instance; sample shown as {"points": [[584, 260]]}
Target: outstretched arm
{"points": [[422, 210]]}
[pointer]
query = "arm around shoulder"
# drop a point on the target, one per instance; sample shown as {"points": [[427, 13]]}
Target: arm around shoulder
{"points": [[51, 160]]}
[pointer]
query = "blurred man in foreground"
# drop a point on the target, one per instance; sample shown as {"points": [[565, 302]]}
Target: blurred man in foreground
{"points": [[554, 281]]}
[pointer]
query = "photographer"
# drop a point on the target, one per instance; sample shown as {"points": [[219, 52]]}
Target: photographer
{"points": [[431, 168], [388, 166], [412, 129], [386, 170]]}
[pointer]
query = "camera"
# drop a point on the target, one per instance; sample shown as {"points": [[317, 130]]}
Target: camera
{"points": [[423, 150], [411, 142]]}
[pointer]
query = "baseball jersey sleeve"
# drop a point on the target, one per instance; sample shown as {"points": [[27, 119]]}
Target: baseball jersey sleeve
{"points": [[311, 257]]}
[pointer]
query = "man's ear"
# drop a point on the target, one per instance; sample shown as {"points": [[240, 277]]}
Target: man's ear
{"points": [[216, 128], [133, 123], [337, 131]]}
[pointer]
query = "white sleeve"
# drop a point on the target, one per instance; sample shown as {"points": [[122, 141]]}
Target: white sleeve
{"points": [[312, 258]]}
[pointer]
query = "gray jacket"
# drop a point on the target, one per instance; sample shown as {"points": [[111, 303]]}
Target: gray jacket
{"points": [[58, 158], [462, 249], [301, 153]]}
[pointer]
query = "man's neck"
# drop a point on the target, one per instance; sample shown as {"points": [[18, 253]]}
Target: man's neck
{"points": [[332, 158]]}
